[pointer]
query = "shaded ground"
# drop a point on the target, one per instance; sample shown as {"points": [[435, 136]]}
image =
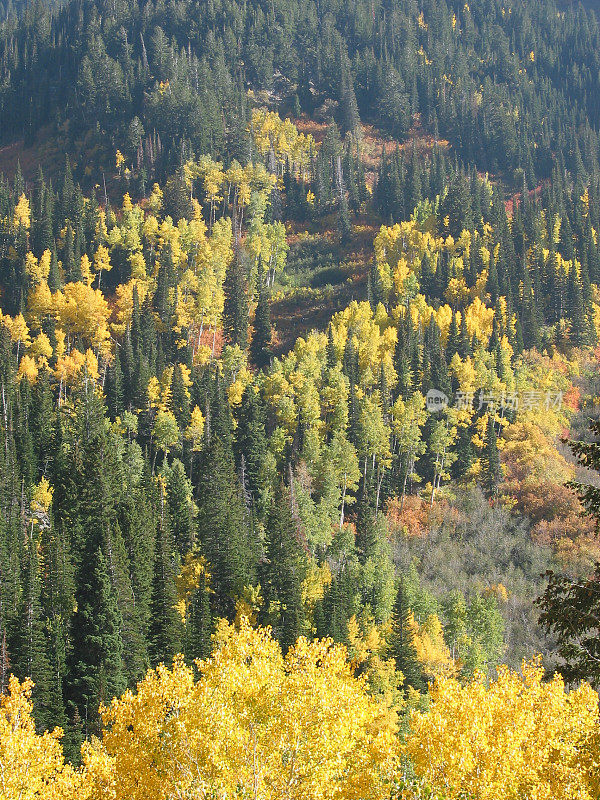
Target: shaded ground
{"points": [[322, 276]]}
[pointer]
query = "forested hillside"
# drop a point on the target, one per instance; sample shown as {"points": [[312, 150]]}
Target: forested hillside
{"points": [[299, 309]]}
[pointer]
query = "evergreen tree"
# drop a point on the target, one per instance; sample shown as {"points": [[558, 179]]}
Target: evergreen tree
{"points": [[165, 625], [401, 643], [261, 340], [181, 508], [251, 442], [180, 401], [492, 472], [235, 314], [199, 626], [223, 528], [31, 646], [283, 572], [86, 490], [96, 662]]}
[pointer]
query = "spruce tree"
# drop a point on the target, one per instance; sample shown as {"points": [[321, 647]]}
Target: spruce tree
{"points": [[31, 646], [165, 626], [114, 387], [181, 508], [235, 313], [579, 328], [283, 572], [260, 348], [86, 490], [400, 643], [180, 401], [96, 672], [250, 442], [492, 472], [223, 528], [199, 625]]}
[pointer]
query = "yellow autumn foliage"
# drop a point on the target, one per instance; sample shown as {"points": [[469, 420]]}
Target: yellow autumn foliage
{"points": [[518, 738], [22, 213], [255, 724], [32, 767]]}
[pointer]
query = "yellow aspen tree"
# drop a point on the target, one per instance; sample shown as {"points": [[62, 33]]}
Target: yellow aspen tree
{"points": [[255, 724], [22, 213], [19, 332], [32, 767], [102, 262], [518, 737]]}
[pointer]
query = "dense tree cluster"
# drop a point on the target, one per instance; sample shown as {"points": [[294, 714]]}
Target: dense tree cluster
{"points": [[171, 480], [252, 721], [160, 472], [512, 89]]}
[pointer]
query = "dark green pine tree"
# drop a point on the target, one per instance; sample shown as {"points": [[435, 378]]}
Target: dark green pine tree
{"points": [[530, 317], [135, 650], [492, 286], [138, 519], [165, 624], [344, 225], [114, 389], [56, 598], [260, 348], [18, 183], [96, 664], [165, 281], [67, 193], [219, 421], [413, 182], [198, 625], [464, 452], [456, 205], [31, 646], [250, 442], [492, 472], [180, 398], [338, 605], [223, 528], [453, 344], [86, 489], [400, 643], [235, 312], [578, 324], [350, 120], [283, 571], [41, 224], [180, 507]]}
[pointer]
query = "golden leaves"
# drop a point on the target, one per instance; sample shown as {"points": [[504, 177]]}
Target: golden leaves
{"points": [[254, 723], [22, 213], [518, 737], [31, 767]]}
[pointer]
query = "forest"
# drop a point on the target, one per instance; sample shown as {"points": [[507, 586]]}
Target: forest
{"points": [[299, 400]]}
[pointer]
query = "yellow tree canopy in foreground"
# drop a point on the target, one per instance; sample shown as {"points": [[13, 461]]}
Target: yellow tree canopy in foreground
{"points": [[255, 724], [518, 738], [32, 767], [258, 725]]}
